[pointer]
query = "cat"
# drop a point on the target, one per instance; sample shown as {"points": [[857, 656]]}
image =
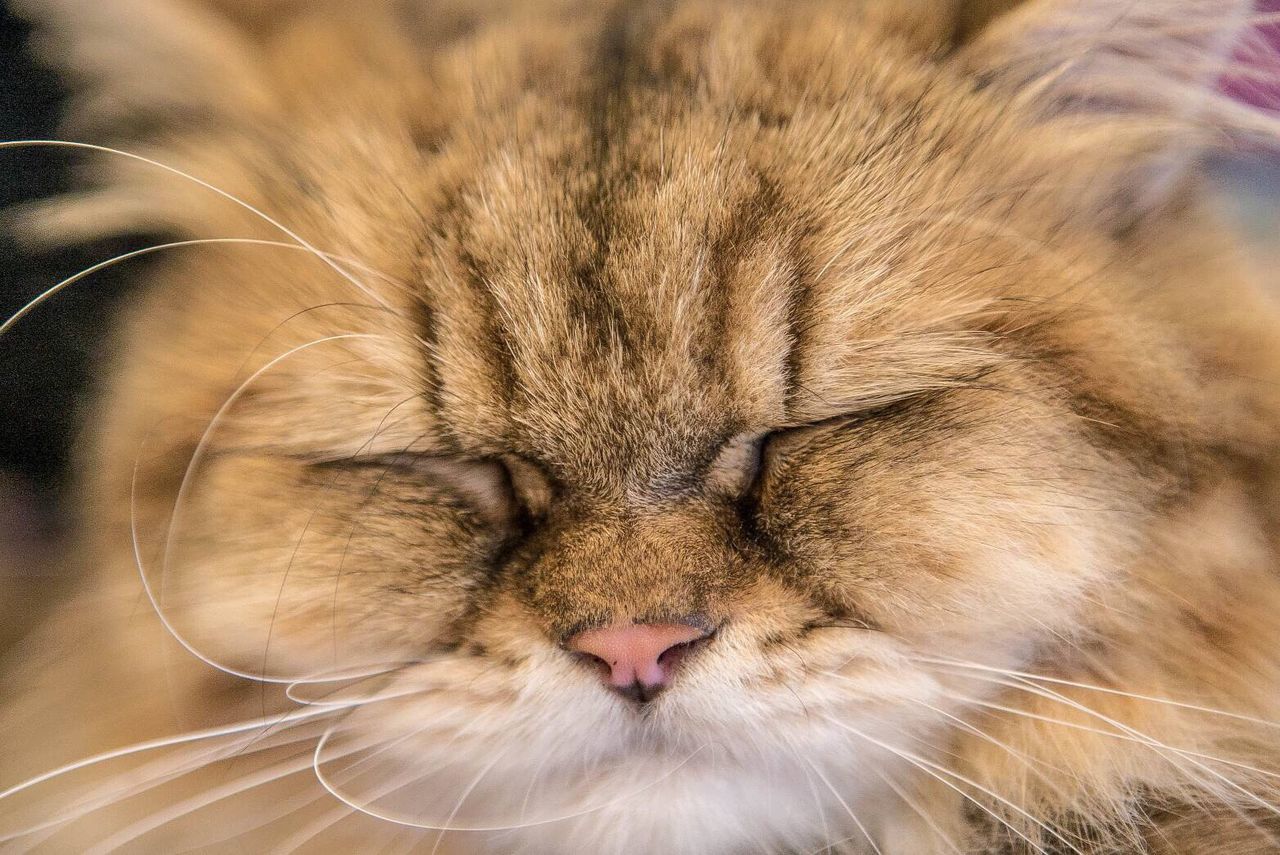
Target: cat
{"points": [[664, 426]]}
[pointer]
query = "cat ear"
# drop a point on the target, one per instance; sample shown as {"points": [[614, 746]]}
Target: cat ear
{"points": [[1147, 87], [143, 63], [181, 83], [137, 72]]}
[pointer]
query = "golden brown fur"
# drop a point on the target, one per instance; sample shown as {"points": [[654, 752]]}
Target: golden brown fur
{"points": [[1007, 577]]}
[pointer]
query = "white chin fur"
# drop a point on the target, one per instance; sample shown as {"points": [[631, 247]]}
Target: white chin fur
{"points": [[709, 808]]}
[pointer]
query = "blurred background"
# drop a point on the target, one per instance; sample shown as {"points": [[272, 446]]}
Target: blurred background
{"points": [[47, 361]]}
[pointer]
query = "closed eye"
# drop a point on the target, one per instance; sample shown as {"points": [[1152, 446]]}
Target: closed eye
{"points": [[484, 485], [501, 490], [778, 445], [739, 464]]}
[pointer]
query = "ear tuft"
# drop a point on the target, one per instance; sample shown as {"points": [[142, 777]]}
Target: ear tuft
{"points": [[1254, 78], [1160, 83], [150, 63]]}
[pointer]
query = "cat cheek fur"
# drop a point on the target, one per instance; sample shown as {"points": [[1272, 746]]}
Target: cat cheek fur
{"points": [[948, 260]]}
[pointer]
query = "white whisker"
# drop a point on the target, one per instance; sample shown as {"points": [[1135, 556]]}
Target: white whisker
{"points": [[297, 763], [205, 184], [919, 811], [928, 766], [265, 723], [307, 833], [1154, 744], [1095, 688], [853, 816], [182, 490], [1124, 737], [150, 776], [367, 809], [466, 793], [147, 250], [284, 578]]}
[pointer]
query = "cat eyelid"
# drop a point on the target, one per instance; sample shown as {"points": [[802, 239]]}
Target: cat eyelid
{"points": [[880, 408], [508, 479], [869, 409], [485, 484], [742, 459]]}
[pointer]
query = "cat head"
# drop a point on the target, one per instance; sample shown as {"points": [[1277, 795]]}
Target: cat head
{"points": [[654, 394]]}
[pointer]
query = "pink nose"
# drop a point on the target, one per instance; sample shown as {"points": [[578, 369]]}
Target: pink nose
{"points": [[640, 657]]}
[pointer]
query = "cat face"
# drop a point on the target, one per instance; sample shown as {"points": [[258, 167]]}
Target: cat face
{"points": [[655, 420], [630, 455], [632, 374]]}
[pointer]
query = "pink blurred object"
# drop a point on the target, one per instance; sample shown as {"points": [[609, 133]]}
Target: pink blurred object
{"points": [[1257, 80]]}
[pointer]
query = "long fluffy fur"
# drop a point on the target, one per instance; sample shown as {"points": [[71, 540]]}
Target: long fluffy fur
{"points": [[510, 278]]}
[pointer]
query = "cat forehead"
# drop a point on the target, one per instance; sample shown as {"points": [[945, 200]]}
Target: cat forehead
{"points": [[648, 306], [648, 320], [684, 259], [626, 281]]}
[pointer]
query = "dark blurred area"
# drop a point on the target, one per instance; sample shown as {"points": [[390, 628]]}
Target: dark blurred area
{"points": [[49, 360], [50, 355]]}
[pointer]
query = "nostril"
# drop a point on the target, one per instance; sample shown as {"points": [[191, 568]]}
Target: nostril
{"points": [[672, 656], [637, 660], [591, 659]]}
